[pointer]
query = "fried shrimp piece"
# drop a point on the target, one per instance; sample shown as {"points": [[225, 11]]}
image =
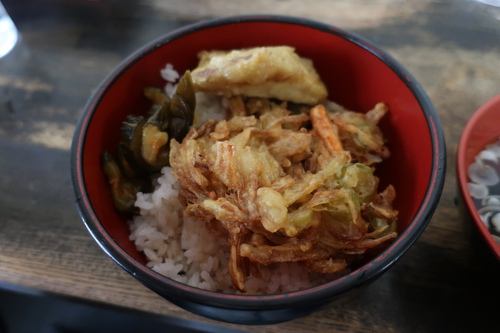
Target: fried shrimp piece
{"points": [[268, 72]]}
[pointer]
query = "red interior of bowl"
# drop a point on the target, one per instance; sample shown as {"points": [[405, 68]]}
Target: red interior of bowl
{"points": [[355, 77], [483, 128]]}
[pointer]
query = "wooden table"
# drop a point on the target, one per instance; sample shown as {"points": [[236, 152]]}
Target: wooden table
{"points": [[67, 48]]}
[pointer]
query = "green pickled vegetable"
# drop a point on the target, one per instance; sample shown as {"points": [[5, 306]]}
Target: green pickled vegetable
{"points": [[157, 96], [182, 108], [144, 148], [161, 106], [132, 136], [154, 142], [123, 190], [127, 162]]}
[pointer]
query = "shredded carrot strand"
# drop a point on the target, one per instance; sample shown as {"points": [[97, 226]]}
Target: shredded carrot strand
{"points": [[323, 127]]}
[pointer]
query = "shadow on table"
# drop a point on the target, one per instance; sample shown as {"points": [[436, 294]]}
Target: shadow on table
{"points": [[23, 312]]}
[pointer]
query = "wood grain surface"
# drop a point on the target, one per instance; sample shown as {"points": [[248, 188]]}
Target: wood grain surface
{"points": [[452, 48]]}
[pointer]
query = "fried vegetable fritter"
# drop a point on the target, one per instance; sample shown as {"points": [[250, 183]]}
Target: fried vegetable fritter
{"points": [[285, 187], [268, 72]]}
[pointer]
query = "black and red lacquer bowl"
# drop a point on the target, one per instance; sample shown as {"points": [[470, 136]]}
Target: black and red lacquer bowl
{"points": [[357, 74]]}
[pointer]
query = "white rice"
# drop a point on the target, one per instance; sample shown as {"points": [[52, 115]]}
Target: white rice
{"points": [[169, 74], [177, 247], [181, 248]]}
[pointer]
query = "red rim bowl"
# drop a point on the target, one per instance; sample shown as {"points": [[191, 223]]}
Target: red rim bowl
{"points": [[482, 129], [357, 74]]}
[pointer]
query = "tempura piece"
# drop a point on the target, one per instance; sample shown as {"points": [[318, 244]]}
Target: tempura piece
{"points": [[281, 187], [268, 72]]}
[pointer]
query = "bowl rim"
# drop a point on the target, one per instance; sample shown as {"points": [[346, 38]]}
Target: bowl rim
{"points": [[469, 128], [329, 290]]}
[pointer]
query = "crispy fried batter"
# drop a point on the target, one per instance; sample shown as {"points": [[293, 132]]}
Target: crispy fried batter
{"points": [[360, 134], [275, 188], [269, 72]]}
